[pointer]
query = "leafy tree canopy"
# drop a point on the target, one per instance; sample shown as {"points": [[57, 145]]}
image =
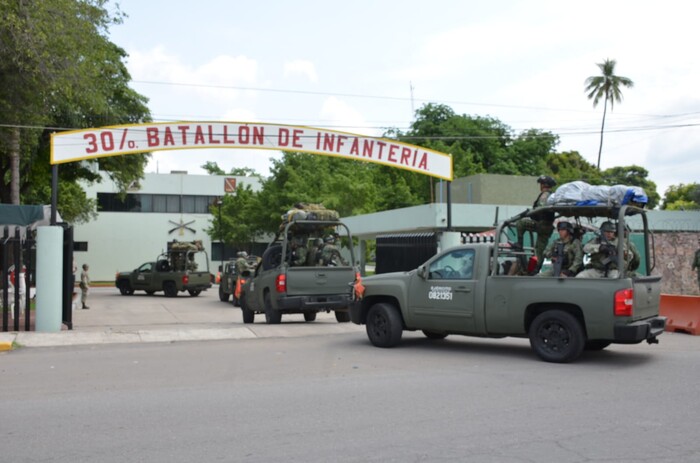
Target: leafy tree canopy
{"points": [[58, 69], [682, 197]]}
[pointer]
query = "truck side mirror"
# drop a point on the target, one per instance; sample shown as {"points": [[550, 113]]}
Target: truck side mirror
{"points": [[422, 272]]}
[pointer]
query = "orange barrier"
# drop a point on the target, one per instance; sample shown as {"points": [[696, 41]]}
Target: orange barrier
{"points": [[682, 313]]}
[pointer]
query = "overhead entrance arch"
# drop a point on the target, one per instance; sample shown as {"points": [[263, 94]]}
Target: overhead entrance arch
{"points": [[131, 139]]}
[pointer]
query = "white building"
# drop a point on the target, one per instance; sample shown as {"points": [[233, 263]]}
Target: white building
{"points": [[160, 208]]}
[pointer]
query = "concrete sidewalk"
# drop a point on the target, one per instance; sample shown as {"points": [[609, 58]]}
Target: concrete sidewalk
{"points": [[113, 318]]}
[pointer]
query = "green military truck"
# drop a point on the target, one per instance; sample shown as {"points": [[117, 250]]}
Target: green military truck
{"points": [[468, 290], [281, 284], [229, 276], [183, 267]]}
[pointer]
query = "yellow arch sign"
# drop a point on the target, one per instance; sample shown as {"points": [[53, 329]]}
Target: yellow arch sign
{"points": [[131, 139]]}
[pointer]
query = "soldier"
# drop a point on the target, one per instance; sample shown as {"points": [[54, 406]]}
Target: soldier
{"points": [[84, 286], [330, 255], [315, 251], [566, 253], [696, 263], [299, 251], [632, 256], [241, 263], [603, 251], [542, 223]]}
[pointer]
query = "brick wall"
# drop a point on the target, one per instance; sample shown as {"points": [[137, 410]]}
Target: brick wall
{"points": [[674, 257]]}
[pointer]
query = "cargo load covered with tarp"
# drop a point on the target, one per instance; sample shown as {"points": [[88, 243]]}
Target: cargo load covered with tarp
{"points": [[582, 194], [308, 211]]}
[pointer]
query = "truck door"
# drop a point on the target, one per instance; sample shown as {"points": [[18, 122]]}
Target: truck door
{"points": [[444, 299], [144, 276]]}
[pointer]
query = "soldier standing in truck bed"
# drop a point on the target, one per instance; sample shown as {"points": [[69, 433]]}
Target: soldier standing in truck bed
{"points": [[566, 248], [542, 224]]}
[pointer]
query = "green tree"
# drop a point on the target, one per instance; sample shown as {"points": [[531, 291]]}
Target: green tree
{"points": [[58, 69], [606, 86], [235, 228], [570, 166], [213, 168], [682, 197]]}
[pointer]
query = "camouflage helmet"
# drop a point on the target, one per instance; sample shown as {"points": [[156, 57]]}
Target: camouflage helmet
{"points": [[546, 180], [607, 226], [242, 254], [565, 226], [329, 239]]}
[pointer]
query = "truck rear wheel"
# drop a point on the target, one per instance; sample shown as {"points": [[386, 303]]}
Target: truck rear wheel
{"points": [[170, 289], [556, 336], [194, 292], [125, 288], [384, 326], [248, 315], [223, 297], [272, 316], [342, 317], [309, 316]]}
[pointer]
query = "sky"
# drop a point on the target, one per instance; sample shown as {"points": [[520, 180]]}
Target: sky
{"points": [[368, 65]]}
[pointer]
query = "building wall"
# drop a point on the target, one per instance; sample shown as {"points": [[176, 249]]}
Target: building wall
{"points": [[119, 241], [674, 255], [491, 189]]}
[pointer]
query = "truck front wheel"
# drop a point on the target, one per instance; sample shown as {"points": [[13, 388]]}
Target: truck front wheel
{"points": [[342, 317], [384, 326], [125, 288], [556, 336], [223, 296], [170, 289]]}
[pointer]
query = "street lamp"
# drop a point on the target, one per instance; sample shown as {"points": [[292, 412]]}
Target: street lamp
{"points": [[219, 203]]}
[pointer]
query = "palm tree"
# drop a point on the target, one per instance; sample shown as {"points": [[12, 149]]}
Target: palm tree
{"points": [[606, 85]]}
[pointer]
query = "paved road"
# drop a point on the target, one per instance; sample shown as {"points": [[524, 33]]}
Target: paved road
{"points": [[335, 397]]}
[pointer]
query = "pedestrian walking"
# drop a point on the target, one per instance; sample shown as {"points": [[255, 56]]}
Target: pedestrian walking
{"points": [[84, 285]]}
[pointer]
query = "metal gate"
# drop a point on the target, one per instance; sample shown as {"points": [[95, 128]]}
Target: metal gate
{"points": [[403, 252], [18, 277]]}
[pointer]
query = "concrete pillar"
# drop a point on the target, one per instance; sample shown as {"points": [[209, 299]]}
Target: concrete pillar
{"points": [[49, 271]]}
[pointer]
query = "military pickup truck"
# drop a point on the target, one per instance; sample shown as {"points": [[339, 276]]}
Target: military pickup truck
{"points": [[282, 284], [183, 267], [467, 290], [229, 277]]}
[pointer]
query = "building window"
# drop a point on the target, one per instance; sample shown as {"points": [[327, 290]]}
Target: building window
{"points": [[137, 202]]}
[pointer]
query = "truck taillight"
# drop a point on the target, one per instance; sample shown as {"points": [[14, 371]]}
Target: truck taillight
{"points": [[281, 283], [185, 279], [624, 301]]}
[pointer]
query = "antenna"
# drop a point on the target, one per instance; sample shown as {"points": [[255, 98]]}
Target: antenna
{"points": [[413, 109]]}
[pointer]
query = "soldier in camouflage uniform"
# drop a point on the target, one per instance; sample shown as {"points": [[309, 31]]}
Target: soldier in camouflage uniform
{"points": [[330, 255], [567, 248], [696, 263], [603, 251], [241, 263], [541, 224], [299, 251]]}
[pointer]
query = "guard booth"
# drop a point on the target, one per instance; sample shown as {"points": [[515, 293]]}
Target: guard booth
{"points": [[405, 251]]}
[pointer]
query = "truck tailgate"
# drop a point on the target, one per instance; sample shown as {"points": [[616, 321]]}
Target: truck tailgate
{"points": [[647, 294], [319, 280]]}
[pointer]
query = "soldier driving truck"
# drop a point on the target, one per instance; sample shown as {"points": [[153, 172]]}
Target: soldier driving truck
{"points": [[562, 317]]}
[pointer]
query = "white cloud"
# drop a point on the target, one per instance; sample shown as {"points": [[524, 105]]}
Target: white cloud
{"points": [[344, 117], [301, 67]]}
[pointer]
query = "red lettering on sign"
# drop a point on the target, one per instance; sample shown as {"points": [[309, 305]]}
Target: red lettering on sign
{"points": [[367, 148], [243, 135], [328, 141], [212, 140], [283, 137], [183, 130], [405, 155], [341, 142], [295, 140], [355, 148], [168, 138], [423, 164], [199, 136], [152, 136], [381, 145], [318, 140], [227, 140], [258, 135], [392, 153]]}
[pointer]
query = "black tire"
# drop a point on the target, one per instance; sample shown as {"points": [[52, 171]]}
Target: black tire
{"points": [[223, 297], [557, 336], [150, 292], [596, 345], [235, 301], [272, 257], [272, 316], [248, 315], [194, 292], [384, 325], [125, 288], [170, 289], [342, 317], [434, 334], [309, 316]]}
